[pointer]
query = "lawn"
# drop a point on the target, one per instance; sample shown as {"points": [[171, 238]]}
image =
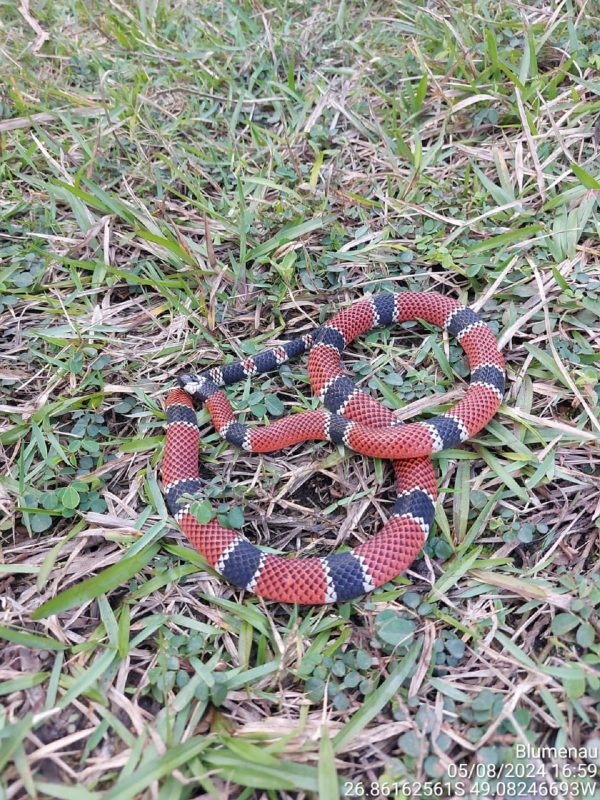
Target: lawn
{"points": [[184, 183]]}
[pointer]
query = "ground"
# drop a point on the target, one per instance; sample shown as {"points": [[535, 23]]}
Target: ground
{"points": [[183, 183]]}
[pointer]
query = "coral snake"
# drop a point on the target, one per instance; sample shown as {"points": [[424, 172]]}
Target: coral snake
{"points": [[349, 417]]}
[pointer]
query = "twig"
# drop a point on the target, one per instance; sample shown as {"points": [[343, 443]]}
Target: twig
{"points": [[42, 35]]}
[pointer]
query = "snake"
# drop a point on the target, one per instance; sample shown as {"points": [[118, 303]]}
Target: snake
{"points": [[348, 417]]}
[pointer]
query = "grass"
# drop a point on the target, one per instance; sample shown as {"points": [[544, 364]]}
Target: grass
{"points": [[182, 183]]}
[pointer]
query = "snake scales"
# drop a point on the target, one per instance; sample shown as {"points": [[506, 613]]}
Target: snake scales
{"points": [[349, 417]]}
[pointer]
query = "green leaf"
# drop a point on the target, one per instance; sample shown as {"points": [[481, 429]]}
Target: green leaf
{"points": [[139, 445], [69, 497], [410, 743], [460, 565], [203, 511], [285, 775], [23, 682], [40, 522], [575, 684], [547, 360], [11, 737], [514, 650], [109, 579], [450, 690], [86, 680], [316, 168], [123, 631], [396, 630], [289, 234], [49, 501], [586, 179], [586, 635], [62, 791], [328, 779], [151, 769], [380, 697], [503, 474], [235, 517], [274, 405], [505, 239], [553, 707], [251, 676], [563, 623], [33, 640]]}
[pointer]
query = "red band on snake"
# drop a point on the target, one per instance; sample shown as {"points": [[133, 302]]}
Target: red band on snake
{"points": [[350, 417]]}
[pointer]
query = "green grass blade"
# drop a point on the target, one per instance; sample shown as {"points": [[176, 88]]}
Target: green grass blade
{"points": [[109, 579]]}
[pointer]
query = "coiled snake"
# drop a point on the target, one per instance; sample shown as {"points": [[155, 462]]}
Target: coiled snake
{"points": [[350, 417]]}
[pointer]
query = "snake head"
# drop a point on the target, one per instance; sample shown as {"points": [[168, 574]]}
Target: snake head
{"points": [[198, 386]]}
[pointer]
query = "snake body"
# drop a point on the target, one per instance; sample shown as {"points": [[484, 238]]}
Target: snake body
{"points": [[349, 417]]}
